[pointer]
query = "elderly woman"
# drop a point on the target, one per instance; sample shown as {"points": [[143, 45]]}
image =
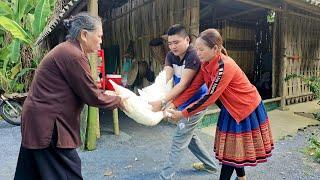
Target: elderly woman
{"points": [[61, 86]]}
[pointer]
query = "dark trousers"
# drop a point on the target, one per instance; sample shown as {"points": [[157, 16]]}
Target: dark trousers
{"points": [[51, 163], [226, 172]]}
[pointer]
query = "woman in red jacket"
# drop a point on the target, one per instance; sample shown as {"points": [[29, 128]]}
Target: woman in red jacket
{"points": [[243, 136]]}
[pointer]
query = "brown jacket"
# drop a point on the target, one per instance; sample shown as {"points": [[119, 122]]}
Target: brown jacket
{"points": [[61, 85]]}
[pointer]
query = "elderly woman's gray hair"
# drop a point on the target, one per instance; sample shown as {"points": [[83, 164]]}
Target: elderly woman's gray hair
{"points": [[81, 21]]}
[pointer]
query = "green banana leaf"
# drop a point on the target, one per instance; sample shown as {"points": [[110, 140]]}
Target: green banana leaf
{"points": [[15, 51], [23, 72], [14, 55], [22, 5], [15, 70], [52, 3], [16, 85], [29, 21], [4, 53], [15, 8], [14, 28], [5, 9], [4, 81], [41, 14], [30, 6]]}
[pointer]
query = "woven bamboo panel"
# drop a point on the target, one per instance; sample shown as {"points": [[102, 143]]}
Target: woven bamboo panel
{"points": [[302, 56], [239, 42], [144, 20], [244, 59]]}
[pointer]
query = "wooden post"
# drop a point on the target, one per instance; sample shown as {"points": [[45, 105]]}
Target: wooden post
{"points": [[93, 7], [283, 64], [274, 55], [195, 18], [93, 10]]}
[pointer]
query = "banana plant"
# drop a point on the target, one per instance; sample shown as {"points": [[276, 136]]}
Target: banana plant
{"points": [[21, 22]]}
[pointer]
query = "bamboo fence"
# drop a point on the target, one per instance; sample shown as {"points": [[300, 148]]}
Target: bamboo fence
{"points": [[301, 56], [144, 20]]}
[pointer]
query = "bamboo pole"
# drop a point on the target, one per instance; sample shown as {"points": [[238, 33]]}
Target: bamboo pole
{"points": [[83, 126], [89, 128], [93, 113], [87, 124], [116, 121]]}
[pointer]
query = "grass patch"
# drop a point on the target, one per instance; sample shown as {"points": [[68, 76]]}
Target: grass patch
{"points": [[314, 148], [208, 120]]}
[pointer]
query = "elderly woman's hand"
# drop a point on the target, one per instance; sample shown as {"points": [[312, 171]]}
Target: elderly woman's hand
{"points": [[122, 104], [174, 115]]}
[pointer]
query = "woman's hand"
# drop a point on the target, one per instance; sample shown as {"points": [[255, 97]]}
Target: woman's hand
{"points": [[122, 103], [110, 93], [156, 105], [174, 115], [169, 106]]}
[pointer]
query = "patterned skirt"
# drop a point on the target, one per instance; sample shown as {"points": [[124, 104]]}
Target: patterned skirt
{"points": [[244, 144]]}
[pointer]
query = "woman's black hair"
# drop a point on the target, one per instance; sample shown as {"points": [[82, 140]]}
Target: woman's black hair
{"points": [[212, 37]]}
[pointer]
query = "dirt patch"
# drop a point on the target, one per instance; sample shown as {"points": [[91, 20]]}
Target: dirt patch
{"points": [[305, 114]]}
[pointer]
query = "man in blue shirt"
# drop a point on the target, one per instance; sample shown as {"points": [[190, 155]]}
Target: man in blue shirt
{"points": [[182, 64]]}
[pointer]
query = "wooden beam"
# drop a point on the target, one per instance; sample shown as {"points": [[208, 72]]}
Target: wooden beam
{"points": [[216, 2], [260, 4], [305, 16], [206, 11], [208, 2], [241, 13], [269, 6], [305, 6]]}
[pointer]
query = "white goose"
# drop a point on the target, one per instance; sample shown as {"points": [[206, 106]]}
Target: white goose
{"points": [[137, 107]]}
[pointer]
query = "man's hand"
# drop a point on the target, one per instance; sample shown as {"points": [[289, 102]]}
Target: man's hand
{"points": [[156, 105]]}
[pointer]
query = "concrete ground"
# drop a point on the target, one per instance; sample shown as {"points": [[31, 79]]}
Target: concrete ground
{"points": [[140, 152]]}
